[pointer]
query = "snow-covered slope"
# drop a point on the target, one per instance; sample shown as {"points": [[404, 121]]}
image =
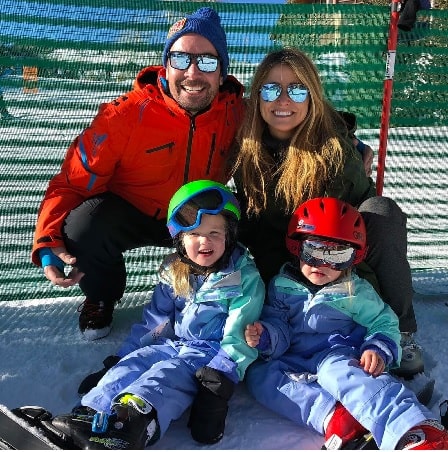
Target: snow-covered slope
{"points": [[44, 357]]}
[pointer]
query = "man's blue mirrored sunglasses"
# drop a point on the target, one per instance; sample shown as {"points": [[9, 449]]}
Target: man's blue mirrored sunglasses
{"points": [[272, 91], [183, 60]]}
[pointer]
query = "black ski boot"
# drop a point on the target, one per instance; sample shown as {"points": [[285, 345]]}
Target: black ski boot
{"points": [[132, 425]]}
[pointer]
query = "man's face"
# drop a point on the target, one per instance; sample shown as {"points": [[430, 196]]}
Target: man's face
{"points": [[192, 89]]}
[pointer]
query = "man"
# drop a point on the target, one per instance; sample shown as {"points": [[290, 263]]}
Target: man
{"points": [[119, 174]]}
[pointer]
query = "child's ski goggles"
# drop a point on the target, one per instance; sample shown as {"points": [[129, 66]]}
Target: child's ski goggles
{"points": [[218, 200], [183, 60], [337, 256], [272, 91]]}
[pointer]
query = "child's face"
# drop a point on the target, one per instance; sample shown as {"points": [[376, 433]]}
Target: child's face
{"points": [[205, 244], [319, 275]]}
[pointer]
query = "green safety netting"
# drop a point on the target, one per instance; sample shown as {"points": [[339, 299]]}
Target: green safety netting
{"points": [[59, 59]]}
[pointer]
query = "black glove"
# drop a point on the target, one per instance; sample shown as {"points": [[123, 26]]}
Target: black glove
{"points": [[92, 380], [209, 410]]}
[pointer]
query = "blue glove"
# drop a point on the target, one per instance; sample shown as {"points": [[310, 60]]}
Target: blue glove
{"points": [[47, 257]]}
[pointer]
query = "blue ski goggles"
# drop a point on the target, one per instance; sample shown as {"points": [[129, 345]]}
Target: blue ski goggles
{"points": [[317, 253], [182, 61], [272, 91], [219, 201]]}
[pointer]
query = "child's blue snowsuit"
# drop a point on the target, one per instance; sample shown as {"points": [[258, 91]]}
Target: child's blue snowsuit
{"points": [[178, 336], [312, 358]]}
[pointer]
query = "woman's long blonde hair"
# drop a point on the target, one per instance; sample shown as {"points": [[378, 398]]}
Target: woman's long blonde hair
{"points": [[315, 153]]}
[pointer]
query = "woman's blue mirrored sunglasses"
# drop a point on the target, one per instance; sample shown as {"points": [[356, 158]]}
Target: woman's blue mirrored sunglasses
{"points": [[272, 91], [183, 60]]}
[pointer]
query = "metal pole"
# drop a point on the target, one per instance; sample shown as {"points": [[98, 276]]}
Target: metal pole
{"points": [[387, 93]]}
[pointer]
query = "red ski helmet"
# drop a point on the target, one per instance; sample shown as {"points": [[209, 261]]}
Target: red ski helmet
{"points": [[330, 219]]}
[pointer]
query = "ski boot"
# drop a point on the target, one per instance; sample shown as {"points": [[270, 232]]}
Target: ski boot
{"points": [[132, 425], [343, 430], [429, 435], [39, 418], [412, 358], [412, 370]]}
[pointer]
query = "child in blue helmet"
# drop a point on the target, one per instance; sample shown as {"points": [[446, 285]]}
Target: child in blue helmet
{"points": [[325, 339], [190, 349]]}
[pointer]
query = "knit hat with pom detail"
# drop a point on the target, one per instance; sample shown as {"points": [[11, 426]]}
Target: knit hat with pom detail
{"points": [[204, 22]]}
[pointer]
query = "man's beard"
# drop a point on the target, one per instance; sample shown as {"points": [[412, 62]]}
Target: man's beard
{"points": [[197, 104]]}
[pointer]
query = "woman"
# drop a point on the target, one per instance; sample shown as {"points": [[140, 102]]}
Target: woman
{"points": [[293, 146]]}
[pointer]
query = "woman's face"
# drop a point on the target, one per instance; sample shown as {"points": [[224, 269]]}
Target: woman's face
{"points": [[283, 115]]}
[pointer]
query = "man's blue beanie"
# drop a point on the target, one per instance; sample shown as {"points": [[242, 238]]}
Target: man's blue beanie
{"points": [[204, 22]]}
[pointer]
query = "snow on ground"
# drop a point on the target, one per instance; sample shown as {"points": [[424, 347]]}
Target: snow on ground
{"points": [[44, 357]]}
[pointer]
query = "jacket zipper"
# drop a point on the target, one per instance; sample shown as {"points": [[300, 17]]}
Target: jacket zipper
{"points": [[212, 151], [159, 148], [188, 156]]}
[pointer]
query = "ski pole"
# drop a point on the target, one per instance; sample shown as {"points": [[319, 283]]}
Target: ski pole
{"points": [[387, 93]]}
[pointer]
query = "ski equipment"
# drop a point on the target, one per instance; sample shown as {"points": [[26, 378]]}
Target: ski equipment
{"points": [[210, 197], [329, 219], [30, 428]]}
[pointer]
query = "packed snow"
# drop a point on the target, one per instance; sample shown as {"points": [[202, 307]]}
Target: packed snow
{"points": [[44, 358]]}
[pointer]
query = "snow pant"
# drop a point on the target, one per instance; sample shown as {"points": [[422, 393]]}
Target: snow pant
{"points": [[387, 257], [97, 233], [161, 375], [383, 405]]}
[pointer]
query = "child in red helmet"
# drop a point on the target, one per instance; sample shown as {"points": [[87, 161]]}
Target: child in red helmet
{"points": [[326, 340]]}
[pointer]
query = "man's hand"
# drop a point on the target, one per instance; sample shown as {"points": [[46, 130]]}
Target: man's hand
{"points": [[252, 334], [56, 276], [372, 363]]}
